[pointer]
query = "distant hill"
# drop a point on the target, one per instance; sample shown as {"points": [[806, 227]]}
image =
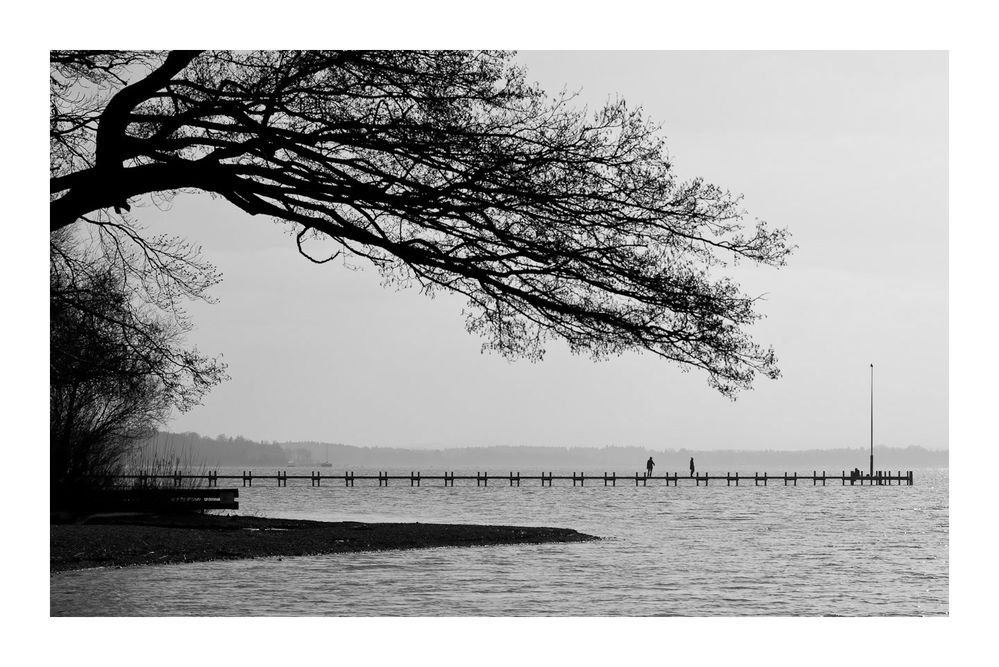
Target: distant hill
{"points": [[197, 450]]}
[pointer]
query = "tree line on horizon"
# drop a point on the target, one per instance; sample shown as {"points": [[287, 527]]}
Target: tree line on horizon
{"points": [[194, 450]]}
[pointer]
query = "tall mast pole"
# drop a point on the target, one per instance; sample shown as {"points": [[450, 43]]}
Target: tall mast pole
{"points": [[872, 420]]}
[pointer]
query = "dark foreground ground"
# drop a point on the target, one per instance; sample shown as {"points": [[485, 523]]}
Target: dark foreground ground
{"points": [[134, 540]]}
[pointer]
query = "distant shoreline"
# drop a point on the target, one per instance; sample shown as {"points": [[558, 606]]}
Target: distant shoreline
{"points": [[193, 450], [156, 540]]}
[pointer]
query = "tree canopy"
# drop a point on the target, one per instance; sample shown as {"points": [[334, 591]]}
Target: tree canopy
{"points": [[447, 168]]}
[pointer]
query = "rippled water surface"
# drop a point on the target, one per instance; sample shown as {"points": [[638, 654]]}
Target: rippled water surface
{"points": [[692, 551]]}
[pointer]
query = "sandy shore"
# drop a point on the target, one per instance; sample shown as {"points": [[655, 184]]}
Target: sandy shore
{"points": [[146, 540]]}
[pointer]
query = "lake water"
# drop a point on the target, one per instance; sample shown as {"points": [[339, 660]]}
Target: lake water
{"points": [[689, 551]]}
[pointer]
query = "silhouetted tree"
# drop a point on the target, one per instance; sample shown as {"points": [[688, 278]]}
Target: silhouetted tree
{"points": [[442, 167], [117, 365]]}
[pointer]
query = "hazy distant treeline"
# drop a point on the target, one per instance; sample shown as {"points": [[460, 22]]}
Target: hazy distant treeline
{"points": [[194, 449], [191, 449]]}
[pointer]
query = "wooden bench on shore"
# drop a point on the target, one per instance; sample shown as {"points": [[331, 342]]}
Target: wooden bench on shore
{"points": [[176, 500]]}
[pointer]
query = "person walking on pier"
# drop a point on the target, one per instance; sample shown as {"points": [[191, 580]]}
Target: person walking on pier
{"points": [[691, 466], [649, 465]]}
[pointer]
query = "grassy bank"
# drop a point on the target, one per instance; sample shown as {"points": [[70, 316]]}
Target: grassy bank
{"points": [[147, 540]]}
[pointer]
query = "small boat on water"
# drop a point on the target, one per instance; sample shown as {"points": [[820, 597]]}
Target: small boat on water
{"points": [[327, 463]]}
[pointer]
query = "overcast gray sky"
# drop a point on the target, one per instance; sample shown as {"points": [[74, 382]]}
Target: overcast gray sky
{"points": [[848, 150]]}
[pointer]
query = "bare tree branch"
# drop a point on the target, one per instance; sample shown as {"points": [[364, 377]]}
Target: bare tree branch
{"points": [[446, 168]]}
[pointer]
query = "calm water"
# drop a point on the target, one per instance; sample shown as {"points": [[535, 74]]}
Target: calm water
{"points": [[691, 551]]}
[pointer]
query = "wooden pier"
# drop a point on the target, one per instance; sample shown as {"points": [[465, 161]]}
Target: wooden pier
{"points": [[348, 478]]}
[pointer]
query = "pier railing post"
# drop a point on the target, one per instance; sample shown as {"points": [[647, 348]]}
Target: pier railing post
{"points": [[613, 479]]}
